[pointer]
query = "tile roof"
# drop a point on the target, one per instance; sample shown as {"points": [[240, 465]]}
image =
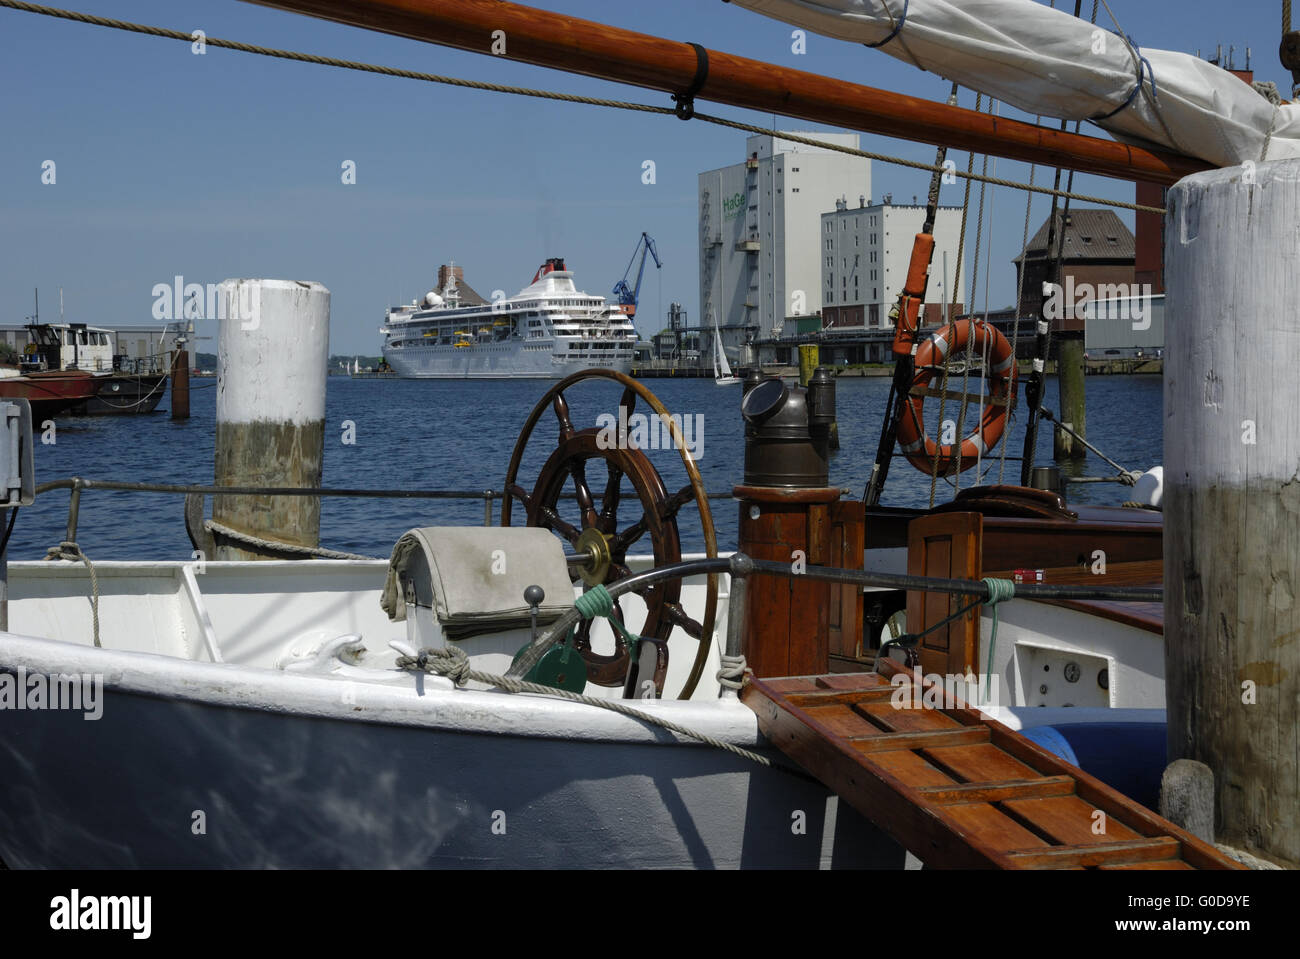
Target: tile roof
{"points": [[1092, 234]]}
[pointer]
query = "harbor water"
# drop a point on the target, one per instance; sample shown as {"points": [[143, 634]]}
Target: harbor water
{"points": [[442, 434]]}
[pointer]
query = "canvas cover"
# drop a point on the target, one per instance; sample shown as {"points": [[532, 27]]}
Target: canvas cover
{"points": [[1048, 62]]}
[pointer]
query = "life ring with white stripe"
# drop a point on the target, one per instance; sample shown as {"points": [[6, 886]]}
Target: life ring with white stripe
{"points": [[1000, 370]]}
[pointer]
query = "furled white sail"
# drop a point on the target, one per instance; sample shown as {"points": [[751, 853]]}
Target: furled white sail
{"points": [[1047, 62]]}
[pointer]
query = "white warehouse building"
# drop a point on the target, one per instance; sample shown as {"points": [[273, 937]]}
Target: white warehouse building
{"points": [[760, 255], [865, 253]]}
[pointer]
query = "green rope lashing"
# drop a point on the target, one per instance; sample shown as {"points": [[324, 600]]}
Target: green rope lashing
{"points": [[597, 602], [999, 590]]}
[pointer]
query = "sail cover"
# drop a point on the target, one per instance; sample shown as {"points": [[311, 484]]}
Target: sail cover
{"points": [[1045, 61]]}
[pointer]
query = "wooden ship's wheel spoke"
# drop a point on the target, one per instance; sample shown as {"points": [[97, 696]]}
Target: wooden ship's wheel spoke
{"points": [[599, 533], [607, 522]]}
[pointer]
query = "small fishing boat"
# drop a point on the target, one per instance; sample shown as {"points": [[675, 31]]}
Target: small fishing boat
{"points": [[118, 385], [50, 392]]}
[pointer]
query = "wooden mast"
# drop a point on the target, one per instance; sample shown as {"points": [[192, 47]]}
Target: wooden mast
{"points": [[593, 49]]}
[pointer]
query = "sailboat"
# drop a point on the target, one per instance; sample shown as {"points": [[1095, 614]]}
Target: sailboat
{"points": [[252, 671], [722, 375]]}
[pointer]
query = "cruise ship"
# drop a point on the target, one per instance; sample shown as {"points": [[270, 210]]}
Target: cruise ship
{"points": [[548, 330]]}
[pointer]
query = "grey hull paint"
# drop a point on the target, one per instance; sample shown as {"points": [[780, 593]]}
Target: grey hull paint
{"points": [[278, 790]]}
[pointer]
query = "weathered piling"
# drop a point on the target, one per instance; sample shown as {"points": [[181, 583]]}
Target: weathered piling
{"points": [[1232, 496], [1070, 378], [180, 373], [273, 352], [809, 358]]}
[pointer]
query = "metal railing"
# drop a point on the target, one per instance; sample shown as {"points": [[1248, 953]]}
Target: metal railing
{"points": [[740, 567], [78, 483]]}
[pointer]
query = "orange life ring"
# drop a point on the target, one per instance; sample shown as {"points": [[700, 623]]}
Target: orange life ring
{"points": [[917, 446]]}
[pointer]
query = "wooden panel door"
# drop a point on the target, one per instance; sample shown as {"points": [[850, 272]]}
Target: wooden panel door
{"points": [[948, 546]]}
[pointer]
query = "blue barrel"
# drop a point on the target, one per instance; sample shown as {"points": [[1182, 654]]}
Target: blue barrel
{"points": [[1129, 757]]}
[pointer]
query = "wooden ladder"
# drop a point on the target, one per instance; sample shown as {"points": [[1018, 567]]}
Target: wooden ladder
{"points": [[955, 788]]}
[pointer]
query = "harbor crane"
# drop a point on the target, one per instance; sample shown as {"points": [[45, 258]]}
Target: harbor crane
{"points": [[627, 298]]}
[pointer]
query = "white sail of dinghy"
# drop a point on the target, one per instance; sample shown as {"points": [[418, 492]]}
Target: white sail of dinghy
{"points": [[721, 368], [1045, 61]]}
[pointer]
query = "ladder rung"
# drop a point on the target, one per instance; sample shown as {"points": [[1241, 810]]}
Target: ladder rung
{"points": [[997, 792], [1108, 853], [845, 697], [928, 739]]}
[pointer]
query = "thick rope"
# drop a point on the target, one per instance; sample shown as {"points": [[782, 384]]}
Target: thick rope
{"points": [[452, 662], [731, 674], [541, 94], [72, 552], [999, 590], [279, 547], [595, 602]]}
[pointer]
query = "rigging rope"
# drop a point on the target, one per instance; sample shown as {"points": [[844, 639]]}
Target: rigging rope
{"points": [[70, 551], [943, 385], [540, 94], [453, 663], [970, 339], [279, 546], [956, 285], [1020, 293]]}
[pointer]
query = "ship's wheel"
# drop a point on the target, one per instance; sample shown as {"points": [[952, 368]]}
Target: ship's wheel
{"points": [[598, 530]]}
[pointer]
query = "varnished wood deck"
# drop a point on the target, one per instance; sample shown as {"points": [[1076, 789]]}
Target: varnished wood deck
{"points": [[957, 789]]}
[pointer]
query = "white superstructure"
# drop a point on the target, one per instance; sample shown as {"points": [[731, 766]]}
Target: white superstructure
{"points": [[81, 347], [760, 255], [548, 330], [865, 252]]}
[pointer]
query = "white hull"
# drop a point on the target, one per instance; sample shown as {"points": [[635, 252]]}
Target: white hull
{"points": [[216, 706], [446, 780], [548, 330], [491, 362]]}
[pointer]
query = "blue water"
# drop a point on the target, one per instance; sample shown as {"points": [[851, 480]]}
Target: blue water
{"points": [[427, 434]]}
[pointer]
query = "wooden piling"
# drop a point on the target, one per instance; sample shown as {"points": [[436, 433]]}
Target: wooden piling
{"points": [[809, 358], [1232, 497], [1070, 379], [273, 351], [180, 384]]}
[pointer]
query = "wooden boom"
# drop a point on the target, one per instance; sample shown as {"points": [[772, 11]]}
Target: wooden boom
{"points": [[574, 45]]}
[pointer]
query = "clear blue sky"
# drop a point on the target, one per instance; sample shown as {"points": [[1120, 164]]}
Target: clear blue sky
{"points": [[229, 164]]}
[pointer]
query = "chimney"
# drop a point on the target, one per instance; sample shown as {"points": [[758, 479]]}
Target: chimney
{"points": [[862, 200], [444, 271]]}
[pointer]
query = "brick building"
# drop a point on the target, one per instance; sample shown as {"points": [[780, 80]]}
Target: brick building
{"points": [[1097, 249]]}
